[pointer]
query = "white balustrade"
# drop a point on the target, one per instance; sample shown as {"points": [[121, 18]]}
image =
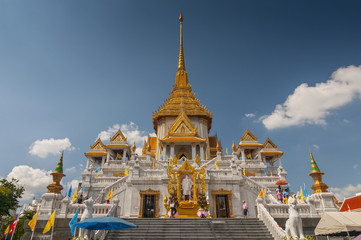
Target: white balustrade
{"points": [[265, 179], [152, 173], [219, 172], [277, 232], [98, 209]]}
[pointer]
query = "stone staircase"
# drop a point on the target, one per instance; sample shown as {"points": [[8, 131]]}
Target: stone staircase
{"points": [[215, 228]]}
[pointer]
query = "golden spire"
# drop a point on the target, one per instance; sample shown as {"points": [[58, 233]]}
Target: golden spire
{"points": [[181, 79], [316, 175], [134, 147], [234, 148], [181, 65], [57, 175]]}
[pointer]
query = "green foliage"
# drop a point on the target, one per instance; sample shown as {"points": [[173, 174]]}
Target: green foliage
{"points": [[10, 192], [19, 231]]}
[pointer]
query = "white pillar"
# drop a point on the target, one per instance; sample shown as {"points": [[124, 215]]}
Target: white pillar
{"points": [[193, 151], [164, 150], [279, 162], [124, 154], [201, 151], [108, 157], [103, 160], [172, 150], [243, 155], [87, 163], [259, 156]]}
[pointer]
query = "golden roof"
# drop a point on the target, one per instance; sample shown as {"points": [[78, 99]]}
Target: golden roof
{"points": [[248, 136], [182, 97], [183, 139]]}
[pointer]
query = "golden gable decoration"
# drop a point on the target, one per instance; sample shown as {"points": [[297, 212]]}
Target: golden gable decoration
{"points": [[269, 144], [98, 145], [118, 138], [183, 126], [249, 137]]}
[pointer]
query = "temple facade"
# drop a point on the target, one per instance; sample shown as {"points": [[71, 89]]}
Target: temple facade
{"points": [[185, 163]]}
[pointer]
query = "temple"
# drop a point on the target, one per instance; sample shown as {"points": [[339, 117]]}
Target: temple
{"points": [[185, 163]]}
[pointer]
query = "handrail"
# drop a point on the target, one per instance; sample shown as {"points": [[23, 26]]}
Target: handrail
{"points": [[277, 232], [257, 187], [206, 165]]}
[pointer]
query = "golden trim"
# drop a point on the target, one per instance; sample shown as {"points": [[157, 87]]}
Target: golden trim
{"points": [[156, 200], [118, 137], [188, 125], [248, 136], [221, 191], [183, 151], [98, 145], [95, 154], [117, 146], [183, 139], [186, 168]]}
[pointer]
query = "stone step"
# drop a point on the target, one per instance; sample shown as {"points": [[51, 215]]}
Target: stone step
{"points": [[250, 228]]}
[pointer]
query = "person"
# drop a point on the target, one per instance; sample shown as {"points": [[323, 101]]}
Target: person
{"points": [[80, 199], [245, 209], [285, 196], [187, 187], [279, 194], [172, 207]]}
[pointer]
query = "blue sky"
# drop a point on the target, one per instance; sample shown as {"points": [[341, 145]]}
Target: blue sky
{"points": [[72, 69]]}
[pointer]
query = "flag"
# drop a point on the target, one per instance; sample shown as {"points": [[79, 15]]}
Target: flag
{"points": [[82, 189], [244, 171], [153, 164], [161, 157], [216, 164], [227, 151], [200, 163], [302, 197], [249, 156], [206, 156], [126, 171], [74, 196], [170, 162], [288, 189], [13, 225], [265, 172], [97, 170], [73, 221], [119, 156], [7, 230], [70, 190], [110, 195], [50, 223], [304, 191], [32, 222], [261, 193], [97, 174], [349, 209]]}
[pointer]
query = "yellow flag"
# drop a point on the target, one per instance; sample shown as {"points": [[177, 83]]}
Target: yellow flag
{"points": [[302, 197], [75, 195], [126, 172], [32, 222], [50, 223], [216, 164], [261, 193], [7, 230], [227, 151], [244, 171], [249, 156], [119, 156], [206, 156], [153, 164], [110, 195]]}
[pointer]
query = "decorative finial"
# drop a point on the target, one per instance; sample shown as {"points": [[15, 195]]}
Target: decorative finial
{"points": [[218, 147], [181, 65], [316, 175], [234, 148], [57, 175], [134, 147], [181, 17]]}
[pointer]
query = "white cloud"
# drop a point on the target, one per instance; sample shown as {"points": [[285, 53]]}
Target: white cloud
{"points": [[131, 132], [72, 169], [355, 166], [74, 184], [249, 115], [34, 180], [42, 148], [346, 192], [316, 146], [346, 121], [311, 105]]}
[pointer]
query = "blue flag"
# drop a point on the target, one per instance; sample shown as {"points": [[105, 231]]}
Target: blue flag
{"points": [[265, 171], [288, 189], [161, 157], [73, 221], [200, 163], [82, 189], [97, 170], [70, 190], [304, 191]]}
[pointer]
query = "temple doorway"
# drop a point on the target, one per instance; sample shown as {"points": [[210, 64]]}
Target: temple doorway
{"points": [[149, 201], [222, 206], [148, 206]]}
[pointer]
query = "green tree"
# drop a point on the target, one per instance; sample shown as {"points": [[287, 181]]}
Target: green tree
{"points": [[10, 192]]}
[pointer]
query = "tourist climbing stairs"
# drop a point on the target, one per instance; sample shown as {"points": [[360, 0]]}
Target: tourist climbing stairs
{"points": [[210, 228]]}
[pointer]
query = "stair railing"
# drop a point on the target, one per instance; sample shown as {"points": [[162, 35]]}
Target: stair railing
{"points": [[277, 232]]}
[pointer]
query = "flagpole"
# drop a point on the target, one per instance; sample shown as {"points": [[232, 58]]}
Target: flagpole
{"points": [[36, 221], [52, 227]]}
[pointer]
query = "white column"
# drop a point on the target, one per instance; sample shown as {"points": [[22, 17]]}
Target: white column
{"points": [[164, 149], [259, 156], [103, 160], [279, 162], [172, 150], [87, 163], [201, 151], [124, 154], [108, 157], [243, 155], [193, 151]]}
